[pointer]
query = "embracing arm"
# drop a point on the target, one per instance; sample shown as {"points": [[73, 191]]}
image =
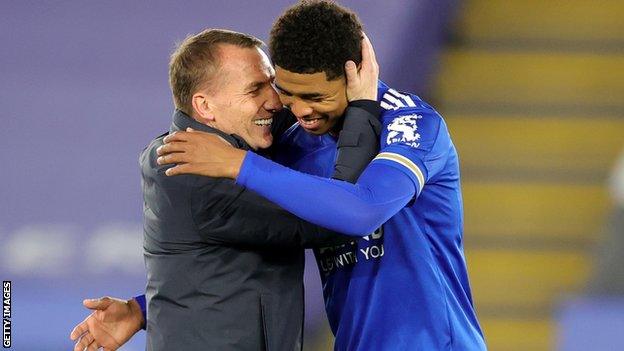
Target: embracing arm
{"points": [[225, 213], [353, 209]]}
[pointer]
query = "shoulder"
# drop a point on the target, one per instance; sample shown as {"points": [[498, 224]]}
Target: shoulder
{"points": [[411, 122], [147, 159], [152, 172]]}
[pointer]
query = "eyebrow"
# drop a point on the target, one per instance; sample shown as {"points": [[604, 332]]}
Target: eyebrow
{"points": [[305, 96], [257, 84]]}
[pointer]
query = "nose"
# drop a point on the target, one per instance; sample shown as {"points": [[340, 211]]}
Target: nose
{"points": [[272, 101], [300, 108]]}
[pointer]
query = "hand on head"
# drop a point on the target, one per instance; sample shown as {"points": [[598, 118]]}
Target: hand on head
{"points": [[362, 82]]}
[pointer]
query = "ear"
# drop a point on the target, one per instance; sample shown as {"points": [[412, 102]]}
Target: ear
{"points": [[203, 107]]}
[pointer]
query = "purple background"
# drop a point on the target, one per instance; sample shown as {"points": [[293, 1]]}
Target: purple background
{"points": [[83, 90]]}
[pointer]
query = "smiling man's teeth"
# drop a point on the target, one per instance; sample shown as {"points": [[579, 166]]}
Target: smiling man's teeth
{"points": [[263, 122]]}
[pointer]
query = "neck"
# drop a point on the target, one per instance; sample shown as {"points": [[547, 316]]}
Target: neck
{"points": [[204, 121]]}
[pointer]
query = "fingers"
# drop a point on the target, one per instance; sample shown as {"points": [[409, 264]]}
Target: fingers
{"points": [[172, 152], [80, 329], [97, 304], [175, 146], [368, 51], [362, 82], [93, 346], [85, 341], [177, 157], [176, 136], [351, 72], [185, 168]]}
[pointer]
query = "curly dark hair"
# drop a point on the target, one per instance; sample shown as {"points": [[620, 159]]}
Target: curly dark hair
{"points": [[316, 36]]}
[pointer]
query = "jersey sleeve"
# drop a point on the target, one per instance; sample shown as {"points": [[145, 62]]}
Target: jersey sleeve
{"points": [[140, 299], [352, 209], [415, 140], [226, 214]]}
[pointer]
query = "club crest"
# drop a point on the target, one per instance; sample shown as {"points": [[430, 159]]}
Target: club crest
{"points": [[404, 129]]}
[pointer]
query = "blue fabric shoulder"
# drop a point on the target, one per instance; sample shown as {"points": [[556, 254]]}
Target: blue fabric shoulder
{"points": [[414, 129]]}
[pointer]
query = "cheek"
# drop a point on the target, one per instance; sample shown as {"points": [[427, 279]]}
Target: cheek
{"points": [[333, 110], [324, 109], [248, 113], [340, 108], [232, 121], [284, 99]]}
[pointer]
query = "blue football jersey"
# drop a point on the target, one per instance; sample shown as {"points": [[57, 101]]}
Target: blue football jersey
{"points": [[404, 286]]}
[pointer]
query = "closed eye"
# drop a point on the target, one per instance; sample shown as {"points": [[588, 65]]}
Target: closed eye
{"points": [[254, 92]]}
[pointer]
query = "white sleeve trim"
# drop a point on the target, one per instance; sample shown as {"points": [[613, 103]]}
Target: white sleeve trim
{"points": [[405, 97]]}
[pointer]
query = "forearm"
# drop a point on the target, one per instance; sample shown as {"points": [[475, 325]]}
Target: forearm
{"points": [[352, 209], [359, 139], [228, 214]]}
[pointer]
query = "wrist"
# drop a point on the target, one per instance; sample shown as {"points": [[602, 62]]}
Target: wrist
{"points": [[351, 99], [362, 95], [372, 107], [238, 156], [367, 104], [136, 314]]}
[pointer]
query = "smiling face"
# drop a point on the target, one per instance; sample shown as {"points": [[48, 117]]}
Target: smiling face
{"points": [[318, 103], [242, 100]]}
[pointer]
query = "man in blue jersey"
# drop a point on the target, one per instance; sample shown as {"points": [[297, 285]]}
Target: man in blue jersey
{"points": [[403, 285]]}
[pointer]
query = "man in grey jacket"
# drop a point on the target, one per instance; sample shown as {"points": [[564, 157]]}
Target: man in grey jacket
{"points": [[224, 265]]}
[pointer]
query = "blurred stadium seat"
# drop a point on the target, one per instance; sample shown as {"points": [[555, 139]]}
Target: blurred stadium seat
{"points": [[533, 92]]}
